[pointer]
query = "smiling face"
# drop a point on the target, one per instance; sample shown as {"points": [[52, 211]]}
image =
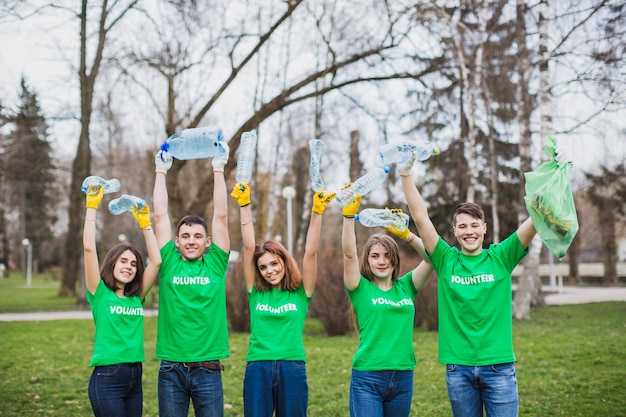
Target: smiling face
{"points": [[192, 241], [470, 233], [380, 264], [125, 269], [271, 268]]}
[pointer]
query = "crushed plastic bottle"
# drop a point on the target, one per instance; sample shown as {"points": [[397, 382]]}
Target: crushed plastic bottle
{"points": [[402, 152], [317, 150], [246, 157], [124, 203], [363, 185], [372, 217], [110, 186], [195, 143]]}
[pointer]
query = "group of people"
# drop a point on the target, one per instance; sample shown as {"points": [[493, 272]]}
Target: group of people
{"points": [[475, 326]]}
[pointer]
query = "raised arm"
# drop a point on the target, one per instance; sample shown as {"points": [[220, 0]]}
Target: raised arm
{"points": [[92, 267], [154, 254], [241, 193], [419, 212], [423, 271], [309, 263], [219, 226], [351, 270], [163, 227]]}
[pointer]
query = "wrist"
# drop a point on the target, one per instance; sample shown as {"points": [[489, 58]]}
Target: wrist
{"points": [[410, 238], [148, 227], [160, 171]]}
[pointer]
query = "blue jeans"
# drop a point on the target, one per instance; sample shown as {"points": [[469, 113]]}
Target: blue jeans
{"points": [[178, 384], [115, 390], [381, 393], [275, 385], [492, 387]]}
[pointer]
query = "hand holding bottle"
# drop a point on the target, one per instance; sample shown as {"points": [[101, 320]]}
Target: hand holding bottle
{"points": [[405, 169], [350, 209], [241, 193], [162, 162], [142, 216], [219, 162], [94, 196], [399, 230], [321, 200]]}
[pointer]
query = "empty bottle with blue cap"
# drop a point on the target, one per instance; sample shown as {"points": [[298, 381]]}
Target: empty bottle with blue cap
{"points": [[317, 150], [402, 152], [373, 217], [363, 185], [110, 186], [246, 157], [194, 143], [124, 203]]}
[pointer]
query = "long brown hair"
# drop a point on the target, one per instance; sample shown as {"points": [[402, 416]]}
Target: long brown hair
{"points": [[108, 266], [292, 279], [394, 255]]}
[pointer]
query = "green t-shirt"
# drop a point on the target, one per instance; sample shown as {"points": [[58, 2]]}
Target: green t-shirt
{"points": [[385, 320], [119, 327], [475, 303], [192, 322], [276, 324]]}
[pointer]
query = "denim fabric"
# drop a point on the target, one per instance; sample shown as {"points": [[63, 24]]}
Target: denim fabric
{"points": [[115, 390], [275, 385], [474, 388], [178, 384], [381, 393]]}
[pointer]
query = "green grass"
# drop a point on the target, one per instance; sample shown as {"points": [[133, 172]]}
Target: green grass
{"points": [[16, 297], [570, 363]]}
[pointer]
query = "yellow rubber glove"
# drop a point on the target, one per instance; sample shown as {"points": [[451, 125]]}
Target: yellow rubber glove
{"points": [[142, 216], [403, 233], [94, 196], [351, 209], [321, 200], [241, 193]]}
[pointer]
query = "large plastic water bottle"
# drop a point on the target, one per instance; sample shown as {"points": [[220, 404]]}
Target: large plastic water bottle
{"points": [[402, 152], [317, 149], [363, 185], [195, 143], [110, 186], [372, 217], [246, 157], [124, 203]]}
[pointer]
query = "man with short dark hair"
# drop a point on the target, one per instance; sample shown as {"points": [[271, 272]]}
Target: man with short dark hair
{"points": [[192, 332]]}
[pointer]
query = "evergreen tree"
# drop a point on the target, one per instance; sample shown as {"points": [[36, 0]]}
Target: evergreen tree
{"points": [[29, 173]]}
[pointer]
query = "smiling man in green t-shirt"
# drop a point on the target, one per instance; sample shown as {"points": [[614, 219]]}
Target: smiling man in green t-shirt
{"points": [[475, 305], [192, 334]]}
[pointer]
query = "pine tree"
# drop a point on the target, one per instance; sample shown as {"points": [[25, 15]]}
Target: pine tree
{"points": [[29, 173]]}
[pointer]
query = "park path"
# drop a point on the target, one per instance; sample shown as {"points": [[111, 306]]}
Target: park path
{"points": [[554, 296]]}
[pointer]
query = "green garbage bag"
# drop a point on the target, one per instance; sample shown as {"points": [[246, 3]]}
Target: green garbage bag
{"points": [[550, 202]]}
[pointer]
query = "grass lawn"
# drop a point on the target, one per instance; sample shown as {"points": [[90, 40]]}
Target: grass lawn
{"points": [[570, 363]]}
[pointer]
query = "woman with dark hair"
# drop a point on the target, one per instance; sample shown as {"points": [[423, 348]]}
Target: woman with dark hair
{"points": [[279, 296], [381, 384], [116, 292]]}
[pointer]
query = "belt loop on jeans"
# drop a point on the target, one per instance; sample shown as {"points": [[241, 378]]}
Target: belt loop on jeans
{"points": [[205, 364]]}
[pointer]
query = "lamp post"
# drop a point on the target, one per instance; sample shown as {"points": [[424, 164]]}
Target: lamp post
{"points": [[29, 261], [289, 193]]}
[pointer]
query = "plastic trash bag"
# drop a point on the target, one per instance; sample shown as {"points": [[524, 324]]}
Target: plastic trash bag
{"points": [[550, 202]]}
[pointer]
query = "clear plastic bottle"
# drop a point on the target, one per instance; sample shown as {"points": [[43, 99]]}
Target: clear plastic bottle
{"points": [[110, 186], [372, 217], [401, 153], [363, 185], [246, 157], [196, 143], [124, 203], [317, 150]]}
